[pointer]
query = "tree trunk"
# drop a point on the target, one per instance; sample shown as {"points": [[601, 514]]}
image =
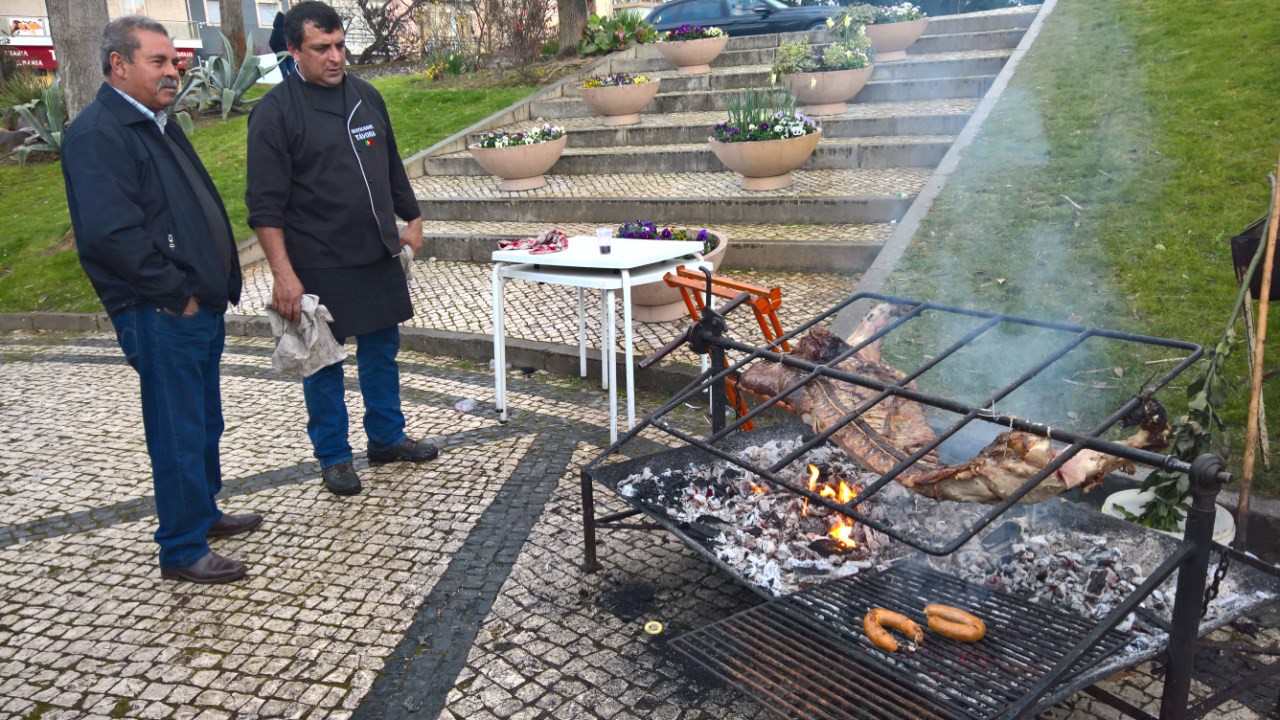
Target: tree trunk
{"points": [[76, 27], [573, 18], [233, 28]]}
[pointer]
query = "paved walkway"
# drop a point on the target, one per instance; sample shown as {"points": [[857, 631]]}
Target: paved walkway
{"points": [[450, 590]]}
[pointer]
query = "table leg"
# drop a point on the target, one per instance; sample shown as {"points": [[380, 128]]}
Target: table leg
{"points": [[582, 333], [627, 351], [609, 352], [604, 361], [499, 345]]}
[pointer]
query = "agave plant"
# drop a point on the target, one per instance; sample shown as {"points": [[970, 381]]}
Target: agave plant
{"points": [[219, 84], [47, 117]]}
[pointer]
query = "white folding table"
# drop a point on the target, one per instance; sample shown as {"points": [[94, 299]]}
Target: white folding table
{"points": [[582, 265]]}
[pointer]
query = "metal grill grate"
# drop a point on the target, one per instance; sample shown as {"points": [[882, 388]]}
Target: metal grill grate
{"points": [[805, 656]]}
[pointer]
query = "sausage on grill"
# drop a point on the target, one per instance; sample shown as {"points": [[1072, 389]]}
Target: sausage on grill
{"points": [[954, 623], [877, 619]]}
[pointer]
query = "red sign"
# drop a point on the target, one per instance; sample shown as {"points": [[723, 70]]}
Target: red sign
{"points": [[41, 57], [32, 56]]}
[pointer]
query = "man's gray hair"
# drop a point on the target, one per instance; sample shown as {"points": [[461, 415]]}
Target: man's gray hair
{"points": [[120, 36]]}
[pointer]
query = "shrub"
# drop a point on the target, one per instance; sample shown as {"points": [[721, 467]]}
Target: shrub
{"points": [[19, 89], [219, 86], [604, 35], [48, 117]]}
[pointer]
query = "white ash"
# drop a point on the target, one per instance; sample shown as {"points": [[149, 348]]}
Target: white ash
{"points": [[766, 537]]}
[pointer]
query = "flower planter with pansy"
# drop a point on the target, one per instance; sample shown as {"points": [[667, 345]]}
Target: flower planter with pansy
{"points": [[765, 138], [658, 301], [893, 29], [619, 97], [520, 158], [691, 48]]}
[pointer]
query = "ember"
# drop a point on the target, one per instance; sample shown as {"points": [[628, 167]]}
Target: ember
{"points": [[777, 540]]}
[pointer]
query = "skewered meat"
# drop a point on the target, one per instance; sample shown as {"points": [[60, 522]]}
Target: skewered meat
{"points": [[893, 429]]}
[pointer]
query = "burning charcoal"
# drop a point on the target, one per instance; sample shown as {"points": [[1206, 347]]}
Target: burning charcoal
{"points": [[701, 532], [826, 547], [1097, 582]]}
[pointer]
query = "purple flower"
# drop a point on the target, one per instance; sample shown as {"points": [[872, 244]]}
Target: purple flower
{"points": [[666, 233], [702, 234]]}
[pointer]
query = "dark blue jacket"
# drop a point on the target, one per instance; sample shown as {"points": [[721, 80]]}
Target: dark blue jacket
{"points": [[140, 231]]}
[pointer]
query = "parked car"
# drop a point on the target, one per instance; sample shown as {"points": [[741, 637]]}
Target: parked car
{"points": [[741, 17]]}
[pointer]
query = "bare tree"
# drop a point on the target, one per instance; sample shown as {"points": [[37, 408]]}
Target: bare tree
{"points": [[390, 26], [573, 19], [76, 26], [233, 27]]}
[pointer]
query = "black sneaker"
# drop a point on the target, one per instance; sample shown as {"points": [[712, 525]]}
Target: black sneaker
{"points": [[406, 450], [341, 479]]}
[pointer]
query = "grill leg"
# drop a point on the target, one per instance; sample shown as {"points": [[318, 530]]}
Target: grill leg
{"points": [[589, 562], [1205, 484]]}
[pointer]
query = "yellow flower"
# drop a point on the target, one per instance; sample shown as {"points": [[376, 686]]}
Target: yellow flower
{"points": [[773, 78], [831, 23], [847, 19], [813, 81]]}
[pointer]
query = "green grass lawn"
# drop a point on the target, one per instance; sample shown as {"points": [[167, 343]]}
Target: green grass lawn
{"points": [[37, 272], [1134, 141]]}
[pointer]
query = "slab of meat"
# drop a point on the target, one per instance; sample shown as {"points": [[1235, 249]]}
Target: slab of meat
{"points": [[895, 428]]}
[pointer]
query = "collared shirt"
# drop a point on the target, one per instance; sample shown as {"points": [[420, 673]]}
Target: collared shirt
{"points": [[160, 117]]}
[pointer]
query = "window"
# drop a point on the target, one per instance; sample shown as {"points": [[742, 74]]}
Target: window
{"points": [[133, 7], [213, 12], [702, 10], [267, 13]]}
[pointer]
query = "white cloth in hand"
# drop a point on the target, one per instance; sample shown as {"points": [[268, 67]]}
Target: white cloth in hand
{"points": [[307, 346], [406, 262]]}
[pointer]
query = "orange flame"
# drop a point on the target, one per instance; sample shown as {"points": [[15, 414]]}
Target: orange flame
{"points": [[758, 489], [813, 484], [842, 531]]}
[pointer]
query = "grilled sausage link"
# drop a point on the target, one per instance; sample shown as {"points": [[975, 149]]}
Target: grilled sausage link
{"points": [[954, 623], [877, 619]]}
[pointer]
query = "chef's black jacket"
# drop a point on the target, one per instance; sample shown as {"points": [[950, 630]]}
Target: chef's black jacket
{"points": [[323, 165]]}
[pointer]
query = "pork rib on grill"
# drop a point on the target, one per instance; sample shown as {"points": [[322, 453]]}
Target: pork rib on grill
{"points": [[895, 428]]}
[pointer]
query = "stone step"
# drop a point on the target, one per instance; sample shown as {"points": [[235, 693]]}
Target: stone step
{"points": [[885, 91], [831, 153], [792, 247], [1018, 18], [835, 196], [918, 117], [649, 60], [958, 42], [942, 65]]}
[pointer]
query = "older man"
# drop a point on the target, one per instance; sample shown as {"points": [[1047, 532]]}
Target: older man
{"points": [[155, 242], [325, 187]]}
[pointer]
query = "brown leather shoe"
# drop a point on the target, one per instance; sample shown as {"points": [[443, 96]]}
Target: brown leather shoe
{"points": [[210, 569], [230, 525]]}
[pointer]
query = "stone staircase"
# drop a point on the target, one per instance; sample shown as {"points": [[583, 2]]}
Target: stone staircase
{"points": [[870, 164]]}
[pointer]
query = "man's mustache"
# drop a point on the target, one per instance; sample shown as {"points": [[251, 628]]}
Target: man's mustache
{"points": [[167, 84]]}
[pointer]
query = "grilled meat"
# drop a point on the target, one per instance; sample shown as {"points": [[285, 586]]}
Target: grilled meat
{"points": [[894, 429]]}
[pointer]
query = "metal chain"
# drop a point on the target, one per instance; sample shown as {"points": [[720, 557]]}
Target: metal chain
{"points": [[1211, 592]]}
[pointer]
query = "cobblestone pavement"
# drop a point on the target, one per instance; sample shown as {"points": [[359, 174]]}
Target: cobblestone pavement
{"points": [[449, 590]]}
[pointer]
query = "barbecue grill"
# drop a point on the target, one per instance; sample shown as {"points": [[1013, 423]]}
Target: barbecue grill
{"points": [[1032, 656]]}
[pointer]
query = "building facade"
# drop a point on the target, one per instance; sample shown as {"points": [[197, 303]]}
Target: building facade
{"points": [[30, 44]]}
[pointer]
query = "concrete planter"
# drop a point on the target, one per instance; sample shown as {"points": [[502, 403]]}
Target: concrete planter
{"points": [[520, 166], [659, 302], [620, 104], [693, 57], [825, 93], [891, 40], [766, 164]]}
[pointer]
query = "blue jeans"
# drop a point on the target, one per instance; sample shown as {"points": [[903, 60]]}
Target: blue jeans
{"points": [[379, 384], [177, 363]]}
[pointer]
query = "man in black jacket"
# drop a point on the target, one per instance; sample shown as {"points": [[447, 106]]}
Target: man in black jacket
{"points": [[155, 241], [325, 187]]}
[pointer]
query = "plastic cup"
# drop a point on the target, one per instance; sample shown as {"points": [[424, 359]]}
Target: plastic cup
{"points": [[604, 236]]}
